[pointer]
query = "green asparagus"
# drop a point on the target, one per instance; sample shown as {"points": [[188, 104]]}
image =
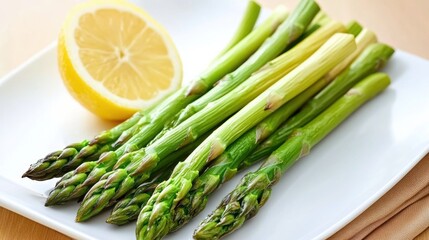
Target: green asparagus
{"points": [[309, 42], [232, 80], [58, 163], [237, 151], [290, 33], [255, 188], [138, 166], [321, 19], [272, 93], [246, 25], [371, 60], [155, 218], [354, 28], [75, 184], [128, 208], [226, 165]]}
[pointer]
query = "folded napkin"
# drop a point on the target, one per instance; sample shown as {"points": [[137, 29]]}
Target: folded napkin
{"points": [[402, 213]]}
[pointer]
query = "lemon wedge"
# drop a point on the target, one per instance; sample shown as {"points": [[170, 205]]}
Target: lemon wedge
{"points": [[115, 59]]}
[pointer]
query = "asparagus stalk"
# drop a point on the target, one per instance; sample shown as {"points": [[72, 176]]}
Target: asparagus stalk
{"points": [[128, 208], [314, 41], [371, 60], [255, 188], [246, 26], [287, 33], [240, 48], [354, 28], [321, 19], [75, 184], [226, 165], [138, 166], [58, 163], [155, 218]]}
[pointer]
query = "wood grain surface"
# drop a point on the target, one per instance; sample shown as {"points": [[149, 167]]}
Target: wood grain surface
{"points": [[401, 23]]}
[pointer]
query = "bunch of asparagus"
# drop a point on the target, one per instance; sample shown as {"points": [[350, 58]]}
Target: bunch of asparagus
{"points": [[274, 92]]}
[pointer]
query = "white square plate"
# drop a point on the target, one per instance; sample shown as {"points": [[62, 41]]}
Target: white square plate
{"points": [[348, 171]]}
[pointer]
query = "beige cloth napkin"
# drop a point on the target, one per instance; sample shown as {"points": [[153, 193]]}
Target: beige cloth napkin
{"points": [[402, 213]]}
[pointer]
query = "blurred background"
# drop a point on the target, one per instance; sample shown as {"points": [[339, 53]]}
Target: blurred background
{"points": [[27, 26]]}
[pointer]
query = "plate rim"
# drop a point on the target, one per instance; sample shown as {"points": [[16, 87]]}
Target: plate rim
{"points": [[35, 216], [382, 191], [334, 228]]}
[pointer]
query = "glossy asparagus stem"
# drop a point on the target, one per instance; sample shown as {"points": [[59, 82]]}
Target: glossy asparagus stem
{"points": [[57, 163], [255, 188], [151, 121], [321, 35], [354, 28], [156, 216], [128, 208], [138, 166], [246, 26], [288, 32], [227, 164], [76, 184], [373, 58]]}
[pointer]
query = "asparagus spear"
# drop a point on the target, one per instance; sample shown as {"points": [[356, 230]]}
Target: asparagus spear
{"points": [[255, 188], [155, 218], [244, 44], [318, 37], [371, 60], [292, 29], [321, 19], [318, 21], [246, 26], [75, 184], [58, 163], [354, 28], [226, 165], [231, 80], [128, 208], [137, 167]]}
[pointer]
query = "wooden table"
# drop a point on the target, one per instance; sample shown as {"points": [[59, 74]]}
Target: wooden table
{"points": [[401, 23]]}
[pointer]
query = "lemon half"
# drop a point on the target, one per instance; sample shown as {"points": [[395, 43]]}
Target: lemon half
{"points": [[115, 59]]}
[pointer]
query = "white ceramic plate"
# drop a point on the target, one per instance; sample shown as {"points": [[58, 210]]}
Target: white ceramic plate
{"points": [[345, 173]]}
